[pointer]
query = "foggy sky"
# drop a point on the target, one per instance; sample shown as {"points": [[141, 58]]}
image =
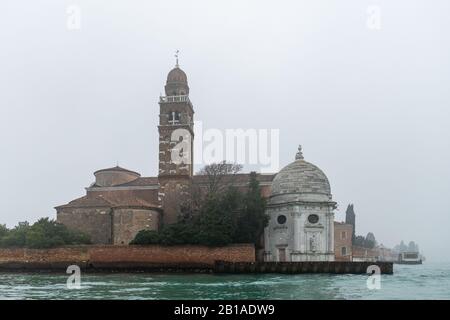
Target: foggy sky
{"points": [[370, 107]]}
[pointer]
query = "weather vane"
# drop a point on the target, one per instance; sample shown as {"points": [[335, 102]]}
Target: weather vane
{"points": [[176, 56]]}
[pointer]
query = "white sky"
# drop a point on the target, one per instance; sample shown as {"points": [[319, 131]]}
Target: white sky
{"points": [[371, 108]]}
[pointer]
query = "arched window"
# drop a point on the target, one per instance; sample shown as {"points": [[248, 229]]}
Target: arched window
{"points": [[174, 117], [344, 251]]}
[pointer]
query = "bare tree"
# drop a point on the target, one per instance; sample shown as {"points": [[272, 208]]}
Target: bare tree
{"points": [[219, 175]]}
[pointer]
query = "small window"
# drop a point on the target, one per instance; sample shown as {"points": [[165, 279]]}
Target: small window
{"points": [[343, 235], [174, 117], [344, 251], [281, 219], [313, 218]]}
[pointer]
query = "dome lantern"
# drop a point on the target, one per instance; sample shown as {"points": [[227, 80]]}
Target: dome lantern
{"points": [[299, 155], [176, 84]]}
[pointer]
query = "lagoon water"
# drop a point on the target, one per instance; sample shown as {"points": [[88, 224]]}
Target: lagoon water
{"points": [[427, 281]]}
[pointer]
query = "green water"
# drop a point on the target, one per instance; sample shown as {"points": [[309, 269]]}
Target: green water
{"points": [[427, 281]]}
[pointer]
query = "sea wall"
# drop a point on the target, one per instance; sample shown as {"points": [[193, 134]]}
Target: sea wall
{"points": [[239, 258], [108, 257], [338, 267]]}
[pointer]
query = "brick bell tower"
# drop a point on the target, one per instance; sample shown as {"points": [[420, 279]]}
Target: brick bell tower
{"points": [[176, 138]]}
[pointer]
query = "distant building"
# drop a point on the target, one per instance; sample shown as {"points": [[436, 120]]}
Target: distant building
{"points": [[365, 254], [343, 241], [386, 254]]}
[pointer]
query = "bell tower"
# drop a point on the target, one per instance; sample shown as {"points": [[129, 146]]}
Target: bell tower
{"points": [[176, 138]]}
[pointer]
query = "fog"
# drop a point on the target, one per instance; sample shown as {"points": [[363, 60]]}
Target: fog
{"points": [[368, 99]]}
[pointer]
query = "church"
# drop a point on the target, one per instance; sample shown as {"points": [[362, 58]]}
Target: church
{"points": [[120, 202]]}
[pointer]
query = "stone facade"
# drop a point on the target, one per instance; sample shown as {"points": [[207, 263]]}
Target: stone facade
{"points": [[301, 215]]}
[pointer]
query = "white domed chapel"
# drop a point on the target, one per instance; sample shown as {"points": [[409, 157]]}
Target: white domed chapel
{"points": [[301, 214]]}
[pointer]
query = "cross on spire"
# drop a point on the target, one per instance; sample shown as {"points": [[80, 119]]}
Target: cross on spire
{"points": [[299, 155], [176, 57]]}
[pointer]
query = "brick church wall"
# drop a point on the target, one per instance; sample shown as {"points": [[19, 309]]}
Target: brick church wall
{"points": [[95, 222], [128, 222]]}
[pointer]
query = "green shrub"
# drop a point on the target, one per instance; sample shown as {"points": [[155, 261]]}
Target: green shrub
{"points": [[45, 233], [146, 237], [253, 218], [223, 218], [3, 230]]}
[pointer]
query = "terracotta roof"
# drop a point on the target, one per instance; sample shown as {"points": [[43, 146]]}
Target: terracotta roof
{"points": [[140, 182], [86, 201], [117, 169], [132, 202], [101, 201], [239, 178]]}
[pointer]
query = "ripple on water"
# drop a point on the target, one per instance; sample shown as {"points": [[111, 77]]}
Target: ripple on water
{"points": [[428, 281]]}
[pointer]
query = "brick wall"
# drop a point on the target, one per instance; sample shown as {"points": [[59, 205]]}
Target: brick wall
{"points": [[21, 255], [110, 255], [128, 222], [343, 241], [95, 222]]}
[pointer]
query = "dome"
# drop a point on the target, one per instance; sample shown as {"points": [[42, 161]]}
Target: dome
{"points": [[177, 75], [301, 180], [176, 84], [114, 176], [117, 169]]}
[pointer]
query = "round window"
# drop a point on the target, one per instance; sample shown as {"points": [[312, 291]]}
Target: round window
{"points": [[313, 218], [281, 219]]}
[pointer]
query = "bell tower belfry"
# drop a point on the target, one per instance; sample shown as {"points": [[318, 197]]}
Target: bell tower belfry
{"points": [[176, 140]]}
